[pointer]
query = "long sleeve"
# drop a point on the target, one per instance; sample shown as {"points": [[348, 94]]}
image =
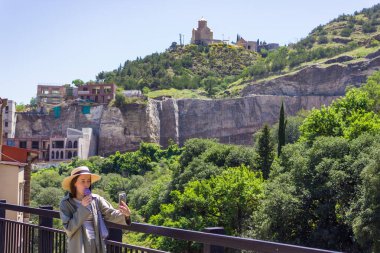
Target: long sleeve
{"points": [[72, 221], [112, 215]]}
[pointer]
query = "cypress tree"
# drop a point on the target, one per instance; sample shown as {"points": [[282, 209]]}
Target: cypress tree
{"points": [[265, 149], [281, 129]]}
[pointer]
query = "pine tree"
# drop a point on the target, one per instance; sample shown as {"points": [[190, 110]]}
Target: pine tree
{"points": [[265, 149], [281, 129]]}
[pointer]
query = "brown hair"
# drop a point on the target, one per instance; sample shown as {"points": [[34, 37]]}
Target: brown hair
{"points": [[73, 189]]}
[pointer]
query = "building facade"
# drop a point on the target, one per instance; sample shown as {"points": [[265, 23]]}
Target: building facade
{"points": [[9, 120], [50, 95], [203, 35], [249, 45], [97, 92], [77, 143], [37, 144], [13, 162]]}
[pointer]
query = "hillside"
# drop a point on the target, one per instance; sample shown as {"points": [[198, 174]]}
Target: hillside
{"points": [[183, 67], [223, 70]]}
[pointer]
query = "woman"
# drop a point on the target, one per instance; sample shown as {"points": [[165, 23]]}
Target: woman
{"points": [[79, 213]]}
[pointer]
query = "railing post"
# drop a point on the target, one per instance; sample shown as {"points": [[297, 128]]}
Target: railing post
{"points": [[207, 248], [115, 234], [2, 227], [45, 240]]}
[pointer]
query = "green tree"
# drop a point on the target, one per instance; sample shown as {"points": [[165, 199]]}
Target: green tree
{"points": [[210, 84], [349, 116], [210, 202], [281, 129], [265, 150], [33, 102], [77, 82], [366, 225]]}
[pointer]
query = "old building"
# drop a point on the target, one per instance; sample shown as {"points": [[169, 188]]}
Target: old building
{"points": [[13, 163], [9, 120], [34, 143], [203, 35], [50, 95], [249, 45], [77, 143], [97, 92]]}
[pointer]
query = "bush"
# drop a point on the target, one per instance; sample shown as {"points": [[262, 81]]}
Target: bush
{"points": [[368, 28], [346, 32], [323, 39]]}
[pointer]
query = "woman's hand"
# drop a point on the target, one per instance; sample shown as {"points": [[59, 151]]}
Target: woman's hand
{"points": [[86, 200], [124, 209]]}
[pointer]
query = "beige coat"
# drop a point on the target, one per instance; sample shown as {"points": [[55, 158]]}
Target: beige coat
{"points": [[73, 217]]}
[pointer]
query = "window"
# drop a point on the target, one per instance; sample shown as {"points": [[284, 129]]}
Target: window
{"points": [[74, 154], [52, 154], [69, 144], [22, 144], [58, 144], [35, 144], [5, 135], [6, 109], [85, 89], [61, 154], [75, 144], [57, 154], [69, 155], [6, 124]]}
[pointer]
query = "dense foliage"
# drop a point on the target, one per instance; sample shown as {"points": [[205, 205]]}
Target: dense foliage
{"points": [[183, 67]]}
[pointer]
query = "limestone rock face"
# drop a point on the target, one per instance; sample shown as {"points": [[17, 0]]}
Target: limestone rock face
{"points": [[230, 120], [316, 81], [123, 130]]}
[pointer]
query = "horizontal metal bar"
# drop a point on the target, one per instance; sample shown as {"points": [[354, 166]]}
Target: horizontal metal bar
{"points": [[34, 226], [219, 240], [31, 210]]}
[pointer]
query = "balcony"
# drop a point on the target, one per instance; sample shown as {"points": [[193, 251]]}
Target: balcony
{"points": [[25, 237], [83, 92]]}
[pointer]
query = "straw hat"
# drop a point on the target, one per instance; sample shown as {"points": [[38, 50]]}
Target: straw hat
{"points": [[82, 170]]}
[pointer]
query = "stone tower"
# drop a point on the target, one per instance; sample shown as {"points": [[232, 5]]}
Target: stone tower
{"points": [[202, 35]]}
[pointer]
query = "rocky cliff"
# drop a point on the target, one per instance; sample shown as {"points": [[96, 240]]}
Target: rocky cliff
{"points": [[317, 80]]}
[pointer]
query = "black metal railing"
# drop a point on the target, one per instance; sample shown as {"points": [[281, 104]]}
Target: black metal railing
{"points": [[43, 238]]}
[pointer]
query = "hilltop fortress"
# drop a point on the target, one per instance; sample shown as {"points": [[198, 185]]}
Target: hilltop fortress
{"points": [[203, 35]]}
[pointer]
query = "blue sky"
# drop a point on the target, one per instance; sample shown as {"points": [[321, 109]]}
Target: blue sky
{"points": [[57, 41]]}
